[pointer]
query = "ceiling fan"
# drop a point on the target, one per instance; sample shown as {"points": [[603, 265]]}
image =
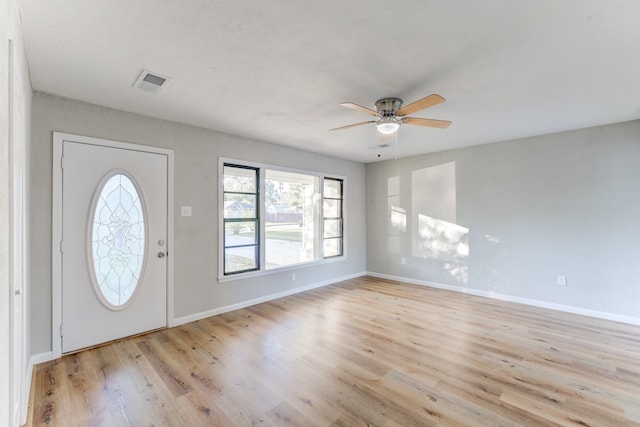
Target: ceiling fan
{"points": [[391, 114]]}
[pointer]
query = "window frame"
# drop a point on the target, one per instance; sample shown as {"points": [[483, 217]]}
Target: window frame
{"points": [[340, 217], [261, 172], [256, 220]]}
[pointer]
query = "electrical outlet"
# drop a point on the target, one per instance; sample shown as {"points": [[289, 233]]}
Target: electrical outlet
{"points": [[185, 210], [561, 280], [293, 276], [403, 260]]}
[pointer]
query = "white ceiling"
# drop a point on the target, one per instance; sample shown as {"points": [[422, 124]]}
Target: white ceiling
{"points": [[277, 70]]}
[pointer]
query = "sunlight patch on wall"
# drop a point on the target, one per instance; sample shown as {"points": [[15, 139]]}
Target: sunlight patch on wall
{"points": [[441, 240], [436, 236], [444, 241], [494, 255], [433, 191], [397, 222], [398, 218]]}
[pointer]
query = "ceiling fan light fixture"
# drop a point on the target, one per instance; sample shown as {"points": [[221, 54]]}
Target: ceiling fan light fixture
{"points": [[387, 126]]}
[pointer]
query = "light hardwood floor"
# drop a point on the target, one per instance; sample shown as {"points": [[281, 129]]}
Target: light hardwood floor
{"points": [[363, 352]]}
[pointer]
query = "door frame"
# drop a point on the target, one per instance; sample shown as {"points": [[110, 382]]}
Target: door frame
{"points": [[19, 374], [56, 225]]}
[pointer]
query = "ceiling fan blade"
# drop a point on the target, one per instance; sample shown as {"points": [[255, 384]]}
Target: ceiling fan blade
{"points": [[353, 125], [421, 104], [442, 124], [360, 108]]}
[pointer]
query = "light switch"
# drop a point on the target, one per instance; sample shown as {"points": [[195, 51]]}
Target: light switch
{"points": [[185, 210]]}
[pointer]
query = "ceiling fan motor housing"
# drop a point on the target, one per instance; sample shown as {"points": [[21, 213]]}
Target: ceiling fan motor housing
{"points": [[387, 107]]}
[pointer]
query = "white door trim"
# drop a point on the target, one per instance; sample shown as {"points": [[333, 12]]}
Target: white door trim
{"points": [[56, 225], [18, 243]]}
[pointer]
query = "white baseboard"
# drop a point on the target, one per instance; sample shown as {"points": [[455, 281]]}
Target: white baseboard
{"points": [[243, 304], [509, 298], [24, 403], [40, 358], [33, 361]]}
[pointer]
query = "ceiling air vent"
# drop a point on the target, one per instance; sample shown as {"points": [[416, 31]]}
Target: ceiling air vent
{"points": [[151, 82]]}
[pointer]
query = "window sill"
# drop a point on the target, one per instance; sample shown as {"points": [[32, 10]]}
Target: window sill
{"points": [[251, 274]]}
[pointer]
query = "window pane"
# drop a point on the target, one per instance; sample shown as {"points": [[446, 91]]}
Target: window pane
{"points": [[332, 228], [240, 179], [118, 240], [332, 188], [240, 233], [239, 206], [291, 218], [240, 259], [332, 247], [332, 208], [284, 247]]}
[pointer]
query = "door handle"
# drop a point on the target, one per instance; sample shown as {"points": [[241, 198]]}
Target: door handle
{"points": [[161, 254]]}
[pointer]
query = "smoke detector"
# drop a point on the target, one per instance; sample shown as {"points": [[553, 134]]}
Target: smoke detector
{"points": [[151, 82]]}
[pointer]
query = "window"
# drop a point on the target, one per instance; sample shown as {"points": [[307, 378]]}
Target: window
{"points": [[275, 217], [117, 240], [291, 228], [241, 219], [332, 217]]}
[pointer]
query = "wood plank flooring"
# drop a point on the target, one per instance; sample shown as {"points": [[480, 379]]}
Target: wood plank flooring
{"points": [[365, 352]]}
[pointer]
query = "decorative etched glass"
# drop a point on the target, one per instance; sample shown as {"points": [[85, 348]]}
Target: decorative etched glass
{"points": [[118, 240]]}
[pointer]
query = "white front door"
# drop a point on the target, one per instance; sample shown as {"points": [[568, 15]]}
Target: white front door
{"points": [[114, 250]]}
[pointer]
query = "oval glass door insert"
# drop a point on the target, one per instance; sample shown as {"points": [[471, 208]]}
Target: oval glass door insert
{"points": [[117, 240]]}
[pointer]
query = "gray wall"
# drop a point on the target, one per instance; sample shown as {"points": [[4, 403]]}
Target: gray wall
{"points": [[504, 218], [507, 218], [196, 237]]}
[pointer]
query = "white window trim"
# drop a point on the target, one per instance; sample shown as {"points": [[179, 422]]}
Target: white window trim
{"points": [[222, 278]]}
